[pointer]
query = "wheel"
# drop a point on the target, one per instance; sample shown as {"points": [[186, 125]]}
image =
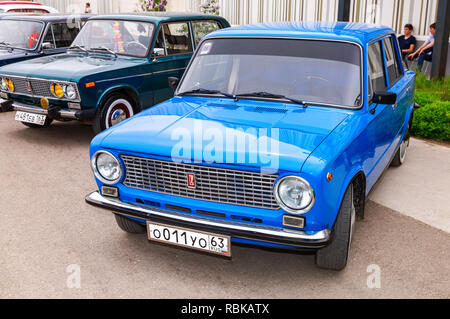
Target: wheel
{"points": [[129, 225], [400, 156], [46, 124], [116, 109], [335, 255]]}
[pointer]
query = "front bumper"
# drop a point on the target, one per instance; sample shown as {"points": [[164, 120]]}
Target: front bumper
{"points": [[56, 112], [5, 105], [234, 229]]}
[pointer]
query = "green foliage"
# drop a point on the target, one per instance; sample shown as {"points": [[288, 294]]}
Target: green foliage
{"points": [[433, 121]]}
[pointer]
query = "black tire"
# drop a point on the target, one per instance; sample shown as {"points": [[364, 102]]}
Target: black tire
{"points": [[130, 226], [117, 103], [335, 255], [400, 155], [46, 124]]}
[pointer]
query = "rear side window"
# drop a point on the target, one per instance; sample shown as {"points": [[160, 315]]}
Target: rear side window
{"points": [[376, 67], [392, 64], [202, 28]]}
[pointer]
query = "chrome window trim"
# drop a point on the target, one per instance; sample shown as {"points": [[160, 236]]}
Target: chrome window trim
{"points": [[363, 99]]}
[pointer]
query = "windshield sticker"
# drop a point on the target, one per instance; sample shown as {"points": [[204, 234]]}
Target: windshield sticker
{"points": [[118, 41], [33, 39], [206, 48]]}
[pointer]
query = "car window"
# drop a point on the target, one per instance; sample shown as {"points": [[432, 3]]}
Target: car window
{"points": [[122, 37], [202, 28], [376, 67], [306, 70], [64, 33], [20, 34], [29, 10], [392, 64], [174, 38]]}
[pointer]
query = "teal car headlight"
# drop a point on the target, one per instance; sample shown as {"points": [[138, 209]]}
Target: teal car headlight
{"points": [[70, 92], [4, 86], [106, 167], [294, 194]]}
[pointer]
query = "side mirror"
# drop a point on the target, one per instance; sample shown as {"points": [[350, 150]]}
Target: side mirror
{"points": [[173, 82], [158, 52], [47, 46], [384, 98]]}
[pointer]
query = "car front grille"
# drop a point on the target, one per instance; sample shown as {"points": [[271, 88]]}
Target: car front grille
{"points": [[211, 183], [39, 88]]}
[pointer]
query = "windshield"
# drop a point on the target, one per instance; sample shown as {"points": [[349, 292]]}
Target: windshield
{"points": [[311, 71], [20, 34], [120, 37]]}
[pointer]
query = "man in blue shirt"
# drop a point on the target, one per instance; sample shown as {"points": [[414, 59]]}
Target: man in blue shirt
{"points": [[425, 51]]}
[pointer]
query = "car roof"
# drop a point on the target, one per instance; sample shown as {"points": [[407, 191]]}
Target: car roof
{"points": [[45, 17], [158, 17], [356, 32]]}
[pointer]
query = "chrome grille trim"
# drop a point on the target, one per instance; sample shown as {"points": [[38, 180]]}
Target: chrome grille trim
{"points": [[214, 184], [39, 87]]}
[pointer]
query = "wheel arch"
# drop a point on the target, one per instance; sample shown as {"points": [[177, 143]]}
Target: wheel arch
{"points": [[125, 90]]}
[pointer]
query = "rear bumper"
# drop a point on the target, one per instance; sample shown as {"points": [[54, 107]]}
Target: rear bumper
{"points": [[55, 112], [234, 229]]}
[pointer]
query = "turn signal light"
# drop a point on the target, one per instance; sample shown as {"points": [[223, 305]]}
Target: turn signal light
{"points": [[90, 85], [110, 191], [294, 221]]}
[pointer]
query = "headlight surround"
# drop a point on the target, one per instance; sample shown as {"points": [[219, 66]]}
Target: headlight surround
{"points": [[57, 90], [70, 92], [3, 84], [294, 194], [106, 167]]}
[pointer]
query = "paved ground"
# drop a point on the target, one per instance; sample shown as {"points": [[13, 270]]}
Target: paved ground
{"points": [[45, 226]]}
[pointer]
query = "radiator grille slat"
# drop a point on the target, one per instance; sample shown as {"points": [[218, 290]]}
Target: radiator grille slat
{"points": [[212, 184]]}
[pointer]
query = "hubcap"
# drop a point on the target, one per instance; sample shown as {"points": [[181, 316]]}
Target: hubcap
{"points": [[118, 116], [118, 111]]}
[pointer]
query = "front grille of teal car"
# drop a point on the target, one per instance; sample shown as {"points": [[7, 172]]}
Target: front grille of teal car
{"points": [[39, 88], [211, 184]]}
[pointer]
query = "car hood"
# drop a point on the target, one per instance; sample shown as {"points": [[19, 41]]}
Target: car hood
{"points": [[278, 136], [7, 57], [69, 66]]}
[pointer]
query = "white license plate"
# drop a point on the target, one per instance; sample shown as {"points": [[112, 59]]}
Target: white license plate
{"points": [[38, 119], [207, 242]]}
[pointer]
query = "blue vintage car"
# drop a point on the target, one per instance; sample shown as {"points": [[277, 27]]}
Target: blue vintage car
{"points": [[117, 66], [25, 37], [276, 135]]}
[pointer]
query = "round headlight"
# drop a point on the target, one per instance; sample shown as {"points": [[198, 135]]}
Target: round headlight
{"points": [[106, 167], [57, 90], [10, 85], [4, 86], [71, 93], [294, 194]]}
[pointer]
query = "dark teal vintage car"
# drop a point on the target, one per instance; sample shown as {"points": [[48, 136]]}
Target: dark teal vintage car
{"points": [[117, 66]]}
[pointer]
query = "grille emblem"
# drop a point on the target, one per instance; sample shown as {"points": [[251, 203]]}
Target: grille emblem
{"points": [[29, 86], [191, 181]]}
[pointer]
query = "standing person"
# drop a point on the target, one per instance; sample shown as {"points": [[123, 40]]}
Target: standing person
{"points": [[425, 51], [88, 9], [407, 41]]}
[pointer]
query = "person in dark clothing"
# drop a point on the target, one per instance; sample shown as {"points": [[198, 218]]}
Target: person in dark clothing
{"points": [[407, 41]]}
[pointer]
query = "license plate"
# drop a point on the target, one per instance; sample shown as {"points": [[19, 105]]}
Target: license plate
{"points": [[207, 242], [38, 119]]}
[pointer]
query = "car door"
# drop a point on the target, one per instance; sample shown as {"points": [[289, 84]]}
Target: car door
{"points": [[382, 127], [398, 83], [171, 54], [59, 36]]}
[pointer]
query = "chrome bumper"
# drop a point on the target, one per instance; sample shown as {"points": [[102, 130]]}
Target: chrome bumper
{"points": [[233, 229], [62, 113]]}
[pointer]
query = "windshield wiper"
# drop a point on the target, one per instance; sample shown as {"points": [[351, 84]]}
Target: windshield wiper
{"points": [[77, 47], [104, 49], [206, 91], [274, 96]]}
